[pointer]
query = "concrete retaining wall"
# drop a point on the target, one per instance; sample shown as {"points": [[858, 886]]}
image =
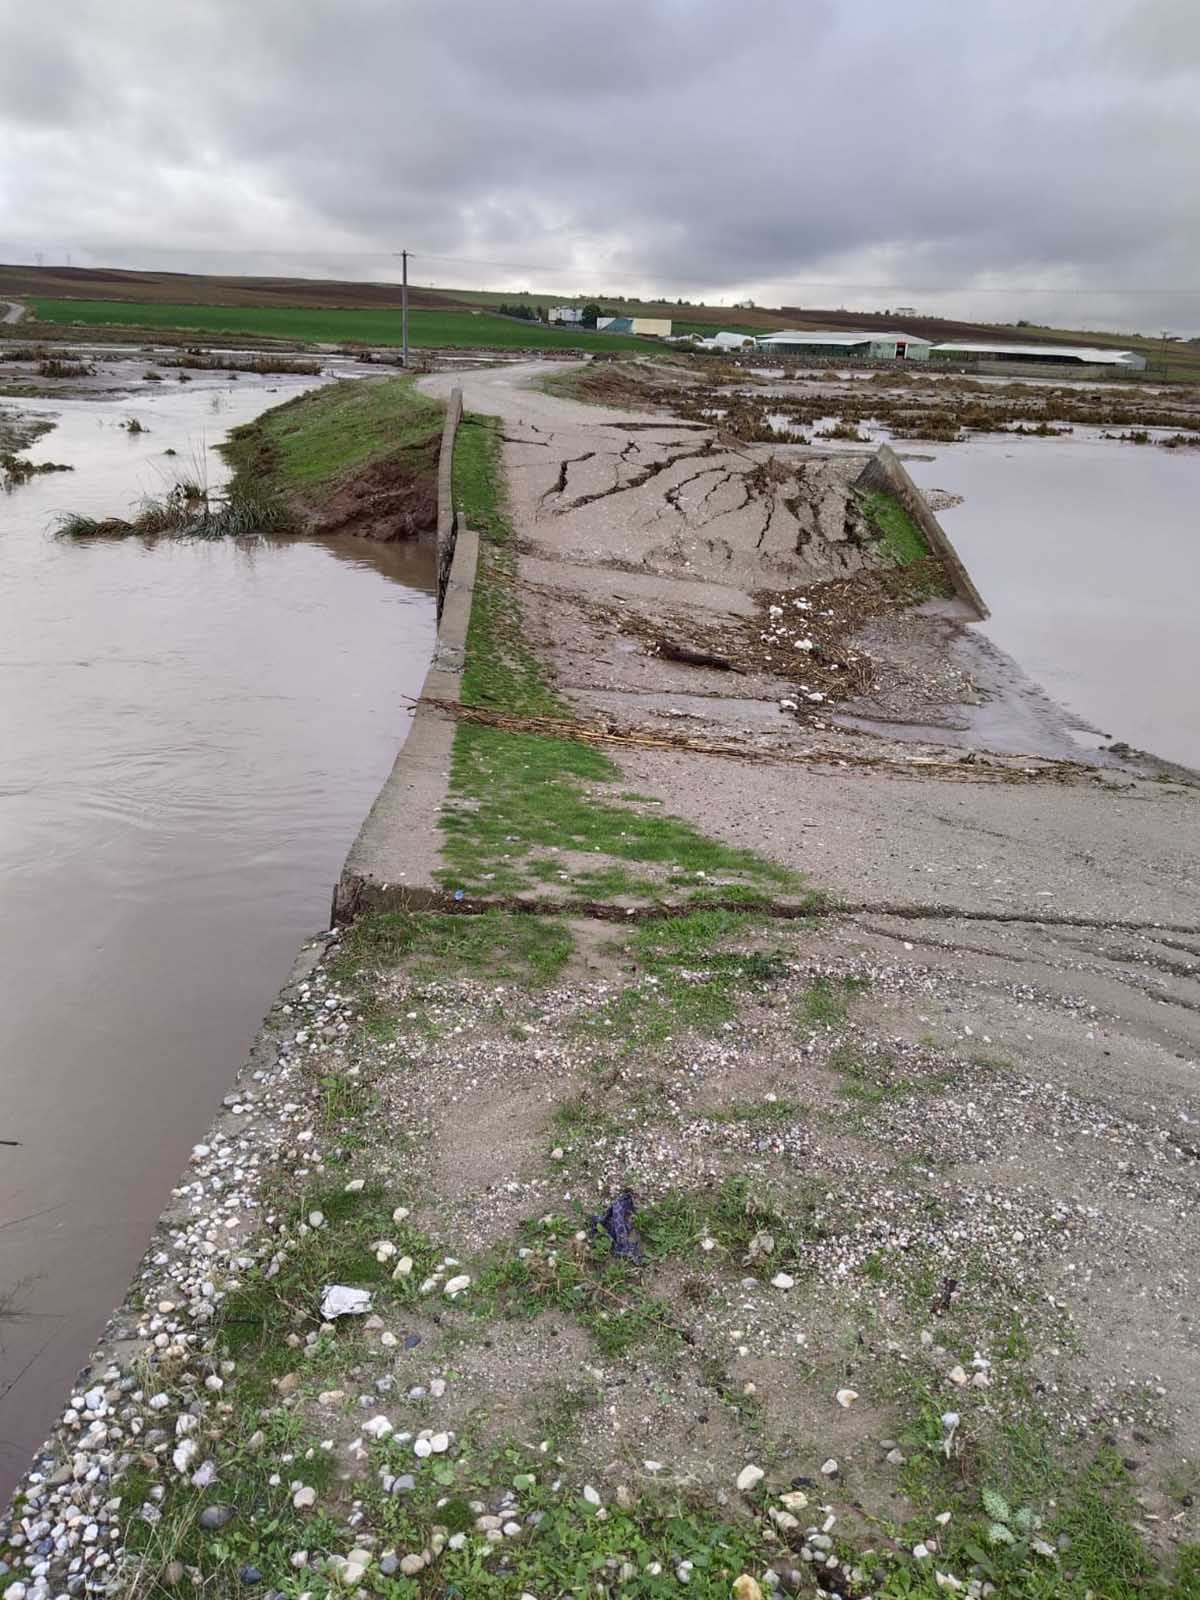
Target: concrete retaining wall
{"points": [[391, 862], [445, 495], [885, 471]]}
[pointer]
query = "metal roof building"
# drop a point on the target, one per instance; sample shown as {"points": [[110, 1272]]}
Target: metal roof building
{"points": [[726, 341], [846, 342], [1038, 354]]}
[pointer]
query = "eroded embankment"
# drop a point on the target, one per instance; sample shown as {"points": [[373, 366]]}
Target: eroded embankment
{"points": [[358, 457], [709, 1254]]}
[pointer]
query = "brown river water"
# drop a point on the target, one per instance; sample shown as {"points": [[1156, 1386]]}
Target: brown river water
{"points": [[190, 735], [1087, 551]]}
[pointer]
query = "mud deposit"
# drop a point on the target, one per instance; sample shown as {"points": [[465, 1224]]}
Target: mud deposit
{"points": [[191, 734], [1086, 552]]}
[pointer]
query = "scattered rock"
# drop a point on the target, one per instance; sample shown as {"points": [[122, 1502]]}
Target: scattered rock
{"points": [[214, 1517]]}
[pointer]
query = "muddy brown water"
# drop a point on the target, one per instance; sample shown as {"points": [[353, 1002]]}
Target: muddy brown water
{"points": [[190, 735], [1085, 550]]}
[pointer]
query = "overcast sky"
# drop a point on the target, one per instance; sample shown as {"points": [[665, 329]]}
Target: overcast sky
{"points": [[962, 156]]}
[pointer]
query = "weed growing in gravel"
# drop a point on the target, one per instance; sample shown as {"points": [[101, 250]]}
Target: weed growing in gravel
{"points": [[688, 981], [552, 1271], [826, 1002], [337, 1249], [736, 1227], [766, 1112]]}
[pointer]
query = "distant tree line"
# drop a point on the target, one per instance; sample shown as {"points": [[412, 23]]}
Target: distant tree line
{"points": [[526, 313]]}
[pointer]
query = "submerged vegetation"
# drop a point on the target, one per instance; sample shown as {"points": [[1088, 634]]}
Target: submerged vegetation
{"points": [[15, 469], [186, 511], [195, 359]]}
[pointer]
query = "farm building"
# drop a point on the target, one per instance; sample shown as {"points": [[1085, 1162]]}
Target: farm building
{"points": [[649, 327], [1059, 355], [845, 344], [571, 314], [725, 341]]}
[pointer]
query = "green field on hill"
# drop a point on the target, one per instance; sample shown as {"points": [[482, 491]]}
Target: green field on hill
{"points": [[427, 329]]}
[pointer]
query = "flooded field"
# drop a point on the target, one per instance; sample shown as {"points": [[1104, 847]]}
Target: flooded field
{"points": [[190, 735], [1086, 552]]}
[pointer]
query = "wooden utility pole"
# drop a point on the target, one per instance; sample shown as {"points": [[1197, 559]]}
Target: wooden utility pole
{"points": [[404, 303]]}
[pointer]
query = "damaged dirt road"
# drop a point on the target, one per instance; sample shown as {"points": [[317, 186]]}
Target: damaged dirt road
{"points": [[1031, 920], [885, 1051]]}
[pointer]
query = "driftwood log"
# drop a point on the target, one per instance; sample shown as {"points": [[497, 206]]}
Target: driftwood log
{"points": [[670, 650]]}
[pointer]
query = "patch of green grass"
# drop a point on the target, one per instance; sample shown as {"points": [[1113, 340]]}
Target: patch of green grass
{"points": [[257, 1316], [426, 329], [517, 797], [606, 1296], [765, 1112], [1049, 1489], [496, 944], [616, 882], [264, 1533], [310, 442], [342, 1099], [897, 530], [867, 1079], [750, 1232], [689, 982], [826, 1001], [501, 671], [574, 1551]]}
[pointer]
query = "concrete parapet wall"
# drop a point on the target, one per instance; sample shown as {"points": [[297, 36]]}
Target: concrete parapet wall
{"points": [[391, 862], [445, 495], [885, 471]]}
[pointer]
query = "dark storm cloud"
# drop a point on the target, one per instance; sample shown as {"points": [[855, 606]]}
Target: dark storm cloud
{"points": [[682, 145]]}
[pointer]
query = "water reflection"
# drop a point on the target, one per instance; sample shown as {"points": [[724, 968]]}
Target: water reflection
{"points": [[1085, 550]]}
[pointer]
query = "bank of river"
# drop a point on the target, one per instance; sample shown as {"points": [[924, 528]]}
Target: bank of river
{"points": [[1085, 550], [191, 734]]}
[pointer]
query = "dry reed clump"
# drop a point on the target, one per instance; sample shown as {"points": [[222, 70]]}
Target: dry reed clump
{"points": [[198, 360], [55, 367], [15, 469]]}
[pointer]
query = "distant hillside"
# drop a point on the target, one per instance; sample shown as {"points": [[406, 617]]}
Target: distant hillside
{"points": [[183, 288], [186, 288]]}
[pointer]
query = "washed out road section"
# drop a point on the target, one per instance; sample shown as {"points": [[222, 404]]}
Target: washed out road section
{"points": [[191, 734]]}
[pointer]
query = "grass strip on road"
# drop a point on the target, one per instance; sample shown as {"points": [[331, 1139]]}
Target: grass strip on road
{"points": [[527, 809]]}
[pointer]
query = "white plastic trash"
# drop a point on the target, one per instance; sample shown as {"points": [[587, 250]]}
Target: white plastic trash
{"points": [[340, 1301]]}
